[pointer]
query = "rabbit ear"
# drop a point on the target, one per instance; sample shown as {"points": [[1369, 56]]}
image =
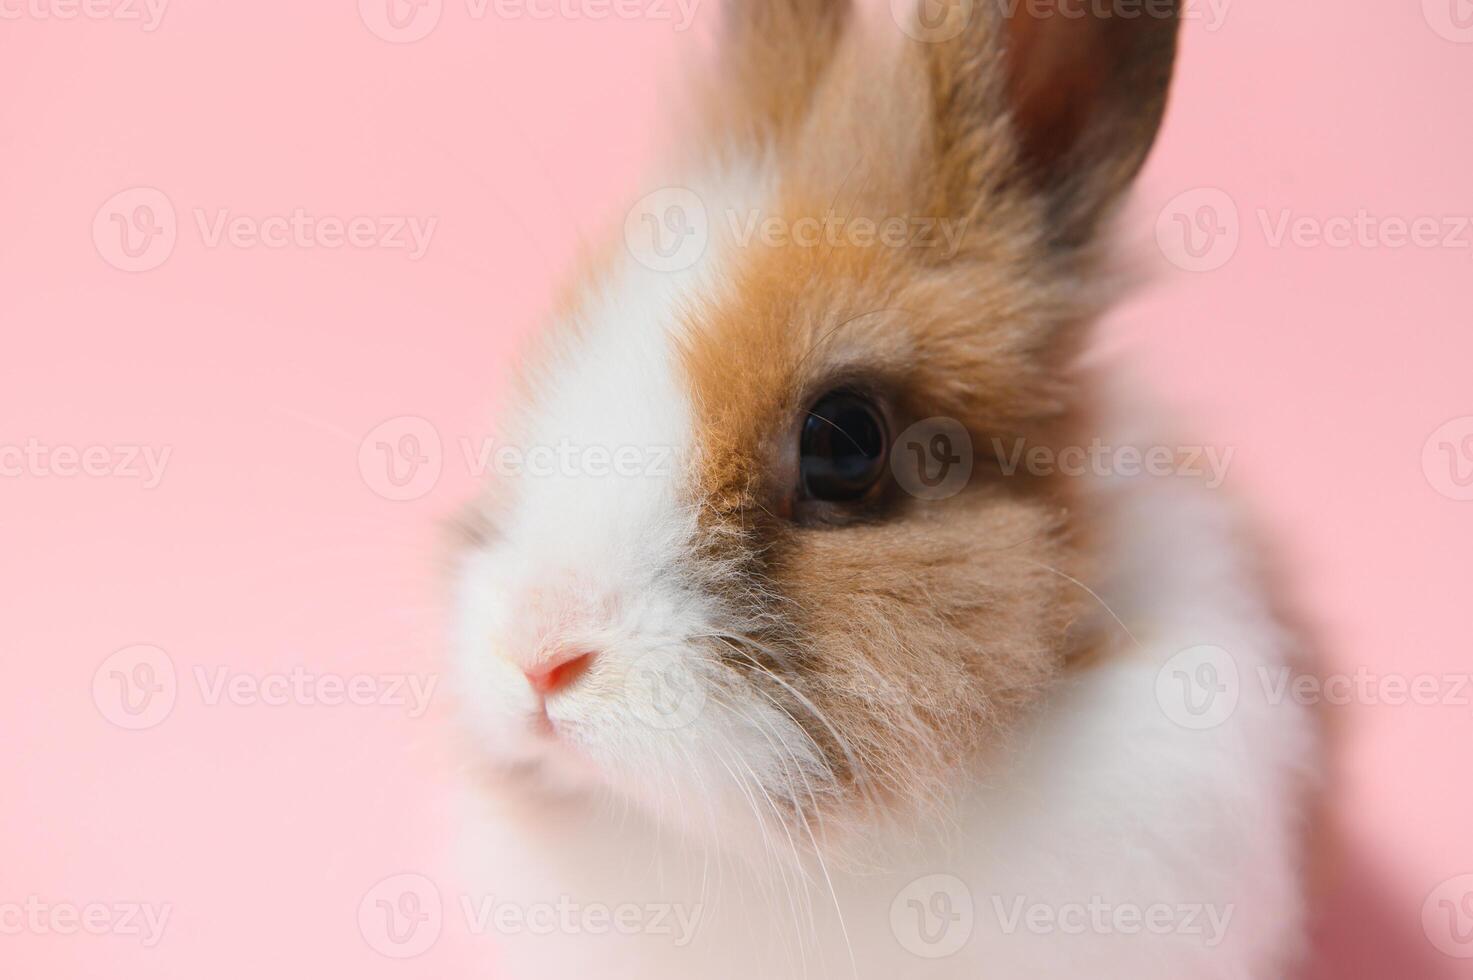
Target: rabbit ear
{"points": [[773, 53], [1082, 87]]}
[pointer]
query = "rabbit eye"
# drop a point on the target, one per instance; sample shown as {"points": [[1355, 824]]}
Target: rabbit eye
{"points": [[843, 449]]}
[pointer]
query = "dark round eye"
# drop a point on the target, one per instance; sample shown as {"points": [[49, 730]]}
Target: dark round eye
{"points": [[843, 449]]}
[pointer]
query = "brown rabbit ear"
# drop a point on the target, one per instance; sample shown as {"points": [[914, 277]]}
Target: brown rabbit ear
{"points": [[1083, 85], [773, 53]]}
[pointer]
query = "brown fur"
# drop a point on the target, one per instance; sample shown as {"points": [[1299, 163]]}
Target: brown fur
{"points": [[922, 629], [774, 55]]}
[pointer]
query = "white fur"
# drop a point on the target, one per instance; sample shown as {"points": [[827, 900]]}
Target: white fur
{"points": [[592, 561], [1107, 799]]}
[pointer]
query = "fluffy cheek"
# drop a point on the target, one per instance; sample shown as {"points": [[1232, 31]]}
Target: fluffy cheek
{"points": [[495, 701], [660, 719], [929, 636], [695, 748]]}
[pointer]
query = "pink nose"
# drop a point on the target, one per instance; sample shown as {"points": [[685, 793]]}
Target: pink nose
{"points": [[558, 672]]}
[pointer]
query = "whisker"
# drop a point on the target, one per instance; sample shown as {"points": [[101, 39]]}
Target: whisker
{"points": [[861, 773], [1093, 594]]}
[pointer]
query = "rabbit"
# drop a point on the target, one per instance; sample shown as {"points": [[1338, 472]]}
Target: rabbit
{"points": [[785, 663]]}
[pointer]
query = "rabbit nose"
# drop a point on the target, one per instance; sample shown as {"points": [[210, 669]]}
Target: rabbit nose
{"points": [[558, 671]]}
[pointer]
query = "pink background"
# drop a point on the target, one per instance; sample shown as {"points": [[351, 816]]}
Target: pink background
{"points": [[266, 546]]}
